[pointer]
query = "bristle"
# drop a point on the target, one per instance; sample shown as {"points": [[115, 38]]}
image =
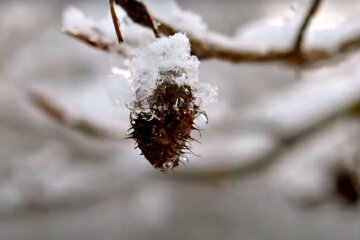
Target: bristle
{"points": [[163, 138]]}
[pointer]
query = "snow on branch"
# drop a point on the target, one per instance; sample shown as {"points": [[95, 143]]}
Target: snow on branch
{"points": [[77, 25], [59, 115], [101, 34], [287, 39]]}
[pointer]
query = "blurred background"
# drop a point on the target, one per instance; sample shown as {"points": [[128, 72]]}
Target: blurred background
{"points": [[279, 156]]}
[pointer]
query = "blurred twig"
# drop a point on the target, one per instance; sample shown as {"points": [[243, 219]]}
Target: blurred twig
{"points": [[286, 143], [83, 126], [89, 40], [302, 30], [254, 167]]}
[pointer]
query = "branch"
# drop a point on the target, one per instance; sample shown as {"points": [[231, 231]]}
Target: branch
{"points": [[138, 12], [258, 166], [300, 36], [83, 126], [95, 42], [205, 49], [116, 22], [298, 57]]}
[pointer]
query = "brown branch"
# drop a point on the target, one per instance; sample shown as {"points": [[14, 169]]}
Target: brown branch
{"points": [[116, 22], [205, 49], [89, 40], [138, 12], [83, 126], [304, 26]]}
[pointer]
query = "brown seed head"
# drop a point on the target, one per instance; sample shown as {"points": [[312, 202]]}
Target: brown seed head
{"points": [[162, 131]]}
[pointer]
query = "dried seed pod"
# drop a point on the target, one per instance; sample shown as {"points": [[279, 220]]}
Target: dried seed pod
{"points": [[165, 98], [162, 133]]}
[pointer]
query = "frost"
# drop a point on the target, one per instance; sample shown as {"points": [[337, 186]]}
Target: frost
{"points": [[168, 55]]}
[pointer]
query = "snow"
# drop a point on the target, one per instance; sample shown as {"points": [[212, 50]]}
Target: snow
{"points": [[324, 37], [164, 55], [119, 90], [75, 19], [170, 12], [135, 36], [278, 33], [262, 36]]}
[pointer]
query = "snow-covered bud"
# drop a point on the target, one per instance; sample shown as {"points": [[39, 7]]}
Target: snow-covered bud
{"points": [[165, 100]]}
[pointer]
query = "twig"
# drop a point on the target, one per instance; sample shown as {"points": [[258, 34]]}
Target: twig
{"points": [[84, 126], [89, 40], [138, 12], [116, 22], [304, 26]]}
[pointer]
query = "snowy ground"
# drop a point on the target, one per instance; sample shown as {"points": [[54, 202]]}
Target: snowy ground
{"points": [[59, 184]]}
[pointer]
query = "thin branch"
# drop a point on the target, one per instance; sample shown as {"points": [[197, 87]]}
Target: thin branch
{"points": [[138, 12], [116, 22], [304, 26], [83, 126], [89, 40], [205, 50]]}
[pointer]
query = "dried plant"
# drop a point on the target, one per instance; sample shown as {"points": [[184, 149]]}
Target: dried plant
{"points": [[203, 45]]}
